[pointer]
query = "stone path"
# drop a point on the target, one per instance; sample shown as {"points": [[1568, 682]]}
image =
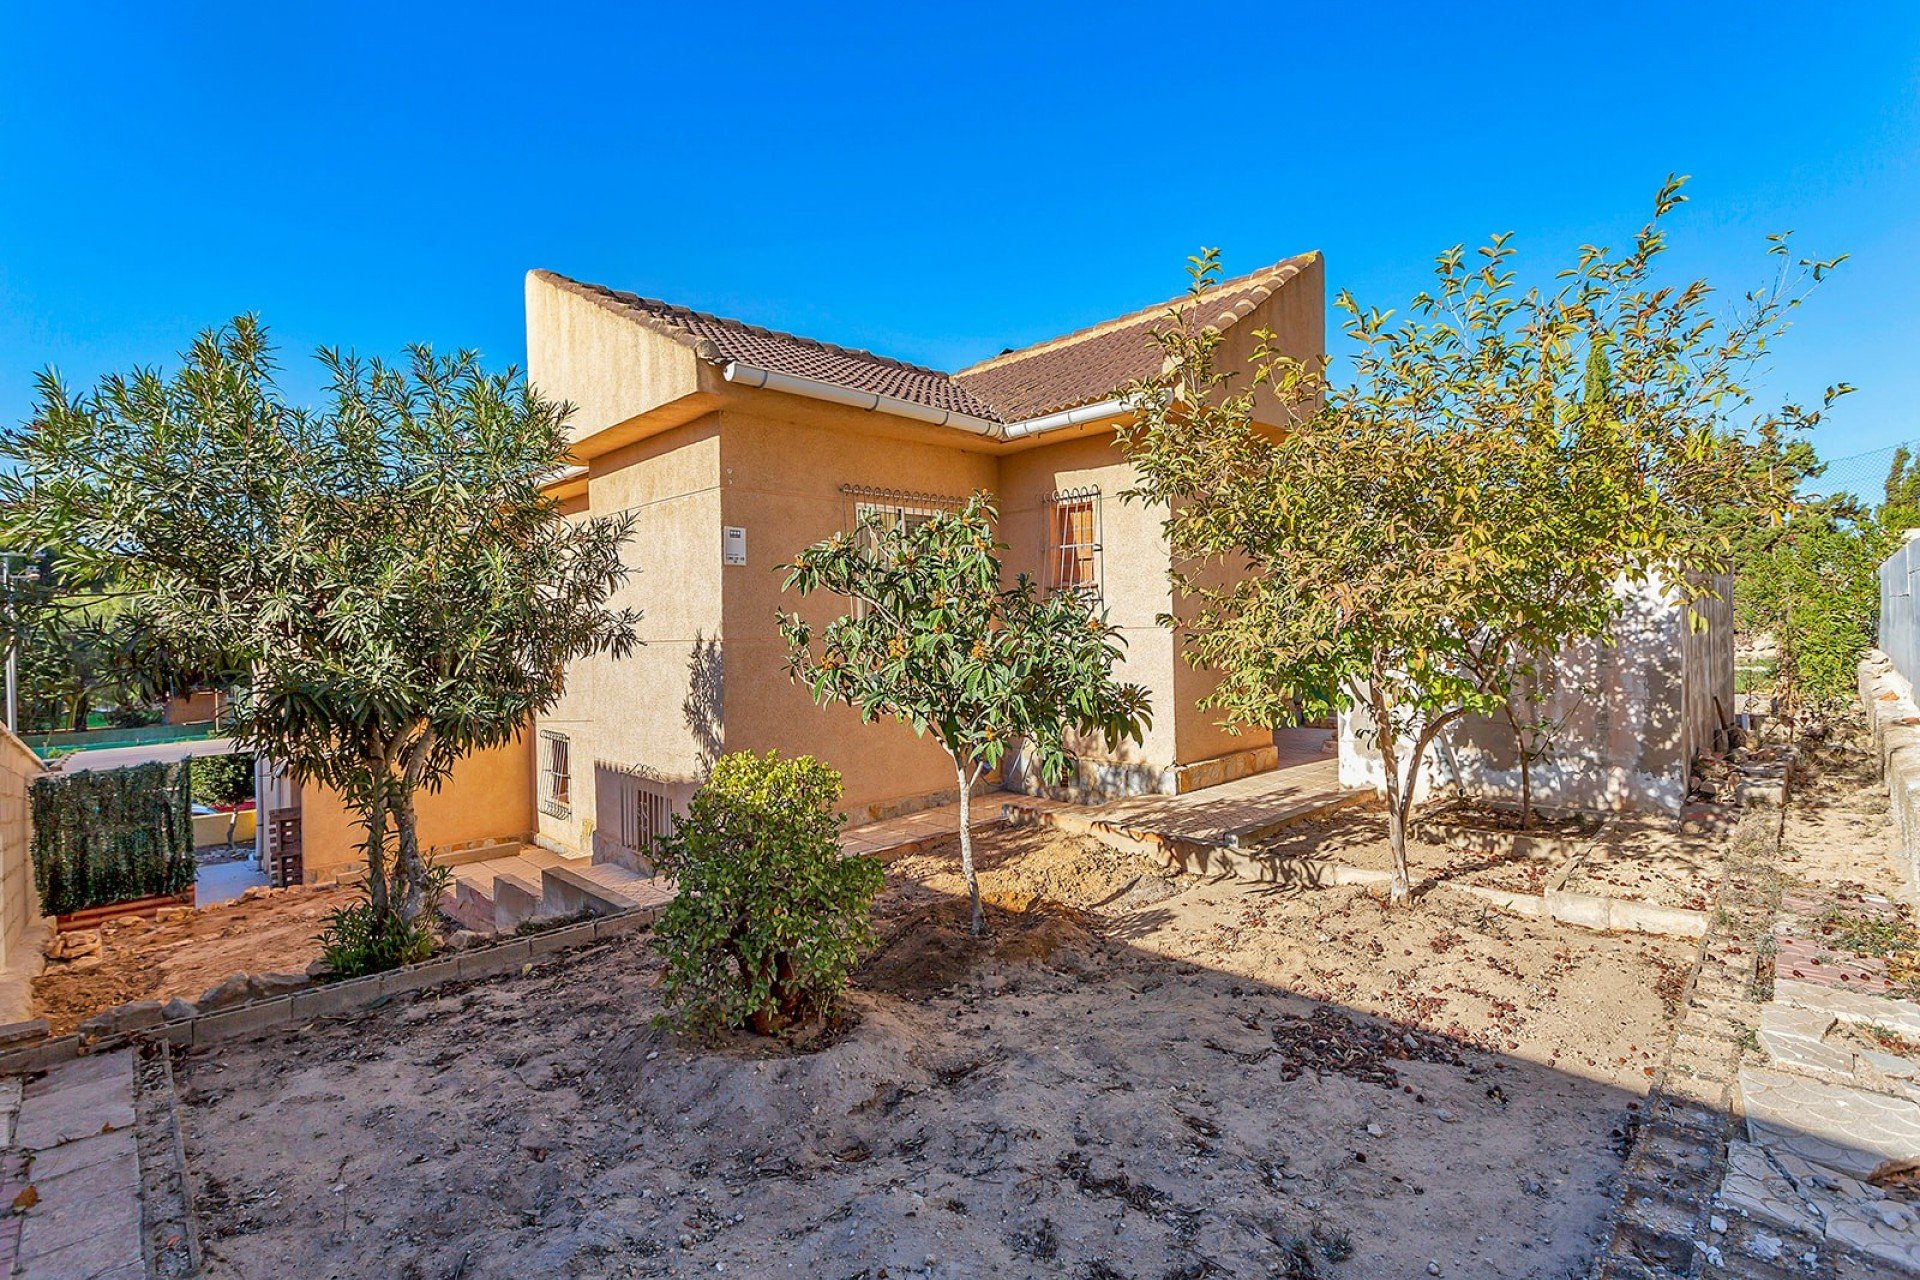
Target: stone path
{"points": [[70, 1152], [1828, 1111]]}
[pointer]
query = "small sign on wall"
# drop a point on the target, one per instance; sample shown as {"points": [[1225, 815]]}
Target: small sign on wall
{"points": [[733, 545]]}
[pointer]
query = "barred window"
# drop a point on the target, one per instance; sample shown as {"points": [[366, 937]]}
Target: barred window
{"points": [[642, 811], [556, 774], [900, 509], [1072, 551]]}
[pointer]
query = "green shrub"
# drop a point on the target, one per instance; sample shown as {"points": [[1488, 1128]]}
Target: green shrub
{"points": [[769, 919], [222, 779], [360, 938], [111, 835]]}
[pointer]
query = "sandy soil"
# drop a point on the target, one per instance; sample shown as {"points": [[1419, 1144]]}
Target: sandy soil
{"points": [[142, 958], [1840, 831], [1643, 861], [1649, 862], [1126, 1081]]}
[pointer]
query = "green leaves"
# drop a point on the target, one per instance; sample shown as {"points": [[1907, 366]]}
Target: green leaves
{"points": [[111, 836], [386, 572], [769, 918], [936, 641]]}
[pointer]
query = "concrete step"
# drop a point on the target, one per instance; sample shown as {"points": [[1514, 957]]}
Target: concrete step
{"points": [[497, 895]]}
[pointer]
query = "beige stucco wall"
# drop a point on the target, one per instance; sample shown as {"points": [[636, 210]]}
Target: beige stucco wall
{"points": [[19, 902], [782, 475], [608, 368], [651, 709], [489, 797], [1133, 573]]}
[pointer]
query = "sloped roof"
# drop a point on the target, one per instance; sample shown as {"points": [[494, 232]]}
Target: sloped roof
{"points": [[1090, 364], [1075, 369]]}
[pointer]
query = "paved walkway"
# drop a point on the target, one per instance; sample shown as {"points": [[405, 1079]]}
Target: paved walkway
{"points": [[225, 881], [1829, 1109], [70, 1138], [897, 837]]}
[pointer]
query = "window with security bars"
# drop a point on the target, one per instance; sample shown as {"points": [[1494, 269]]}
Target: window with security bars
{"points": [[556, 774], [1072, 553], [897, 509], [642, 812]]}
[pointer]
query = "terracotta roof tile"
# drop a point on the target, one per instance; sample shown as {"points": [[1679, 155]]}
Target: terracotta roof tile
{"points": [[1090, 364], [1078, 368]]}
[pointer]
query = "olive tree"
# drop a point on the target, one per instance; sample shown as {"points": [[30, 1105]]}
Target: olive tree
{"points": [[386, 571], [1418, 537], [937, 640]]}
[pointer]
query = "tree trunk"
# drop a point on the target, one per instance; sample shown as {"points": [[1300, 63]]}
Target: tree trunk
{"points": [[1402, 887], [979, 925], [410, 866], [375, 817], [1526, 767]]}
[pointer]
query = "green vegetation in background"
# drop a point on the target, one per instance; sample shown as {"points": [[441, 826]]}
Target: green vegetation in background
{"points": [[111, 836], [219, 780]]}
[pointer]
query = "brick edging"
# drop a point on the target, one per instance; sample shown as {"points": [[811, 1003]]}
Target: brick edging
{"points": [[1660, 1224], [331, 999]]}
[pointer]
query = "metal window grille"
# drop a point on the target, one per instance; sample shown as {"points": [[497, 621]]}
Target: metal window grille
{"points": [[1072, 551], [645, 813], [556, 774], [899, 508]]}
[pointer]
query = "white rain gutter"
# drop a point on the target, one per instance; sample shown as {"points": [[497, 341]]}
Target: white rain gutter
{"points": [[748, 375], [1065, 418]]}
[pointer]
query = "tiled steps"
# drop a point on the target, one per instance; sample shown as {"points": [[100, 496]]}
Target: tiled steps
{"points": [[497, 894]]}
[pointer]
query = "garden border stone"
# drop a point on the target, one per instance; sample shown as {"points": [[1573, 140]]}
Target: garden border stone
{"points": [[1893, 720], [294, 1007]]}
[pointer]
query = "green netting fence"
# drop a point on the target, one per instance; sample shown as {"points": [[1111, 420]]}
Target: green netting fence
{"points": [[112, 836]]}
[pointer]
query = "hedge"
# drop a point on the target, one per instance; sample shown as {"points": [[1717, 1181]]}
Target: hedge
{"points": [[112, 836]]}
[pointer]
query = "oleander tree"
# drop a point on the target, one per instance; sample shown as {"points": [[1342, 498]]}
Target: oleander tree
{"points": [[386, 570], [937, 640], [1419, 536]]}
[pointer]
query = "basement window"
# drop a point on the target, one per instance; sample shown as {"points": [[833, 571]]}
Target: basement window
{"points": [[556, 774], [1072, 552], [641, 812]]}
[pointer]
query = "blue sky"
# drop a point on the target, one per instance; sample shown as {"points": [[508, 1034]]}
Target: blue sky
{"points": [[935, 185]]}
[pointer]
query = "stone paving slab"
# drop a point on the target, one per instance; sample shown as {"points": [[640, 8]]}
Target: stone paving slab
{"points": [[73, 1112], [1850, 1006], [76, 1139], [1814, 1201], [1815, 960], [1844, 1128]]}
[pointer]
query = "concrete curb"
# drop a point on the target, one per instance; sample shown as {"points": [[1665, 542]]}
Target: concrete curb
{"points": [[1893, 719], [1188, 857], [282, 1012]]}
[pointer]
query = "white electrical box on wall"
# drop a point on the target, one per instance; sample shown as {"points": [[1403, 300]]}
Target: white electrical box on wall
{"points": [[733, 544]]}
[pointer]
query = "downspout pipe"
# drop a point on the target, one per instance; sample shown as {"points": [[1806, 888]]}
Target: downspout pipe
{"points": [[748, 375]]}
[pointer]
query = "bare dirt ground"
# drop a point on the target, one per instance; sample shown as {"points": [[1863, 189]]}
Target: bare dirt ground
{"points": [[1132, 1078], [1647, 861], [1840, 830], [147, 959]]}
